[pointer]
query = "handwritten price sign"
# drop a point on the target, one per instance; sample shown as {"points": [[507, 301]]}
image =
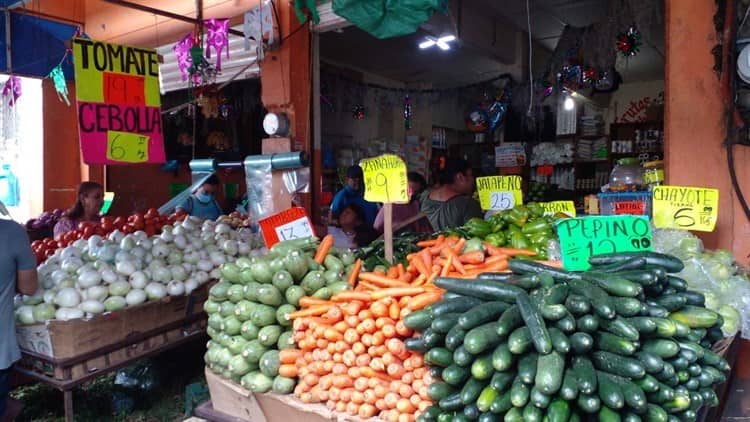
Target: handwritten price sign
{"points": [[385, 179], [499, 192], [289, 224], [685, 208], [583, 237], [559, 207], [127, 147]]}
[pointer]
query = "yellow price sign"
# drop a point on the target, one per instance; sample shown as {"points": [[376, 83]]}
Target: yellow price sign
{"points": [[685, 208], [559, 207], [385, 179], [127, 147], [499, 192]]}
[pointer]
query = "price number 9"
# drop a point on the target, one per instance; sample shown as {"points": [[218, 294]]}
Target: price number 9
{"points": [[381, 181], [502, 200]]}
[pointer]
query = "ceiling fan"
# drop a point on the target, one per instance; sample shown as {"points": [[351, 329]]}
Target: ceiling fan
{"points": [[442, 42]]}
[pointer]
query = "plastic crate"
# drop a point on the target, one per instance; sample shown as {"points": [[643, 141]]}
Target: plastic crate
{"points": [[617, 203]]}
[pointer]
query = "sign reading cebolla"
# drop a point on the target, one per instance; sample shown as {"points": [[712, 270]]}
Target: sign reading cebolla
{"points": [[119, 103], [385, 179], [499, 192], [583, 237], [685, 208]]}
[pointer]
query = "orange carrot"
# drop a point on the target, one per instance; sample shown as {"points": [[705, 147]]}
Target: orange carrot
{"points": [[492, 249], [312, 311], [428, 298], [378, 271], [355, 272], [456, 262], [459, 246], [397, 291], [350, 296], [426, 258], [407, 277], [419, 280], [427, 243], [308, 301], [420, 265], [474, 257], [365, 285], [325, 246], [381, 281], [392, 273], [288, 370], [516, 251], [447, 267], [289, 355]]}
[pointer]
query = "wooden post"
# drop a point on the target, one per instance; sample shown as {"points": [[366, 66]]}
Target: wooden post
{"points": [[388, 231]]}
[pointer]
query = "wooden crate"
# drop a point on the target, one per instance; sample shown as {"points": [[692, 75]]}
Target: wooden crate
{"points": [[69, 339]]}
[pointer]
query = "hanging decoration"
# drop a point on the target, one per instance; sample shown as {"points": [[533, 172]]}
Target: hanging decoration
{"points": [[182, 51], [12, 88], [258, 26], [629, 42], [58, 78], [217, 38], [407, 112], [358, 112]]}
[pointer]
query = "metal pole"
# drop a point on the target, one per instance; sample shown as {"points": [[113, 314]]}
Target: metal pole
{"points": [[8, 59]]}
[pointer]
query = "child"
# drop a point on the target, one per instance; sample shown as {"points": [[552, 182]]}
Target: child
{"points": [[352, 232]]}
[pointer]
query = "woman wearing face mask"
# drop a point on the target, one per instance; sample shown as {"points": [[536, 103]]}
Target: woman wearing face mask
{"points": [[86, 208], [202, 203]]}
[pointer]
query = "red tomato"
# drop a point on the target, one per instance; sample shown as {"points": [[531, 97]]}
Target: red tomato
{"points": [[88, 232], [152, 213], [150, 230], [119, 221]]}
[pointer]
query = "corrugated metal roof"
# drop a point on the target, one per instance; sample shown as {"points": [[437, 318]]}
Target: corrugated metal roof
{"points": [[241, 64]]}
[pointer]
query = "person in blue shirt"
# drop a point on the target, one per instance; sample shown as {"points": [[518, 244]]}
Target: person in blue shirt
{"points": [[202, 202], [353, 193]]}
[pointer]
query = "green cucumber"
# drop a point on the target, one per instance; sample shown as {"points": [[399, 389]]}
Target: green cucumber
{"points": [[519, 340], [471, 412], [618, 365], [431, 338], [569, 387], [588, 324], [454, 338], [418, 320], [486, 397], [655, 310], [509, 321], [514, 415], [415, 344], [532, 413], [480, 314], [553, 312], [456, 375], [599, 299], [627, 306], [661, 347], [656, 413], [502, 358], [451, 403], [566, 324], [481, 338], [527, 367], [555, 295], [558, 410], [577, 305], [519, 393], [452, 306], [539, 399], [439, 356], [644, 278], [615, 286], [671, 302], [609, 391], [648, 384], [677, 283], [462, 357], [501, 403], [615, 344], [644, 325], [482, 368], [669, 263], [549, 373], [522, 266], [695, 317], [501, 380], [534, 322], [560, 341], [608, 415], [581, 343], [621, 327], [652, 363], [585, 374], [471, 390], [444, 323], [439, 390], [481, 289], [589, 403], [632, 264], [694, 298]]}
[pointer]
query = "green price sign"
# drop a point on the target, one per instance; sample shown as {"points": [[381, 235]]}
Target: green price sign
{"points": [[583, 237]]}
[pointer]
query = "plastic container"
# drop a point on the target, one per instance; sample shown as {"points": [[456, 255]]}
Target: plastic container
{"points": [[653, 173], [9, 192], [627, 176], [621, 203]]}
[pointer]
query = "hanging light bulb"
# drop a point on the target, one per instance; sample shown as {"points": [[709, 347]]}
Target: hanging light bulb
{"points": [[568, 103], [442, 42]]}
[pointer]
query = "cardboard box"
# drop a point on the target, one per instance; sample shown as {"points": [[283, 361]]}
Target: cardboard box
{"points": [[68, 339], [237, 402]]}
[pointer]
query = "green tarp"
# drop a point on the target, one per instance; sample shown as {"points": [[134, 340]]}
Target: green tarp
{"points": [[388, 18]]}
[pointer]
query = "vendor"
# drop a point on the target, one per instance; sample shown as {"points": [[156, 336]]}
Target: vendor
{"points": [[352, 232], [202, 203], [450, 204], [408, 214], [352, 193], [86, 208]]}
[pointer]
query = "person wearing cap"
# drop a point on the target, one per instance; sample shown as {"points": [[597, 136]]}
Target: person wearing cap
{"points": [[353, 193]]}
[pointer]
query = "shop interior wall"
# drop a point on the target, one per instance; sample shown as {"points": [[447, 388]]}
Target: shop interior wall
{"points": [[631, 102], [695, 121]]}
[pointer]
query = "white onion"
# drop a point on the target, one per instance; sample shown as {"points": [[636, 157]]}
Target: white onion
{"points": [[175, 288], [222, 228], [65, 314], [190, 285], [179, 229], [230, 247], [125, 267], [71, 265], [68, 297], [68, 282], [180, 241], [43, 312], [47, 283], [217, 258], [25, 315], [138, 252], [80, 244], [205, 265], [191, 257], [215, 273], [115, 303], [243, 248], [178, 272], [107, 252], [108, 276], [70, 252], [200, 276], [97, 293], [49, 296], [160, 250], [161, 274], [91, 306], [94, 241], [135, 297], [59, 275], [89, 278], [124, 256], [35, 299], [116, 236], [119, 288], [174, 257], [146, 244], [138, 280], [155, 290], [100, 265]]}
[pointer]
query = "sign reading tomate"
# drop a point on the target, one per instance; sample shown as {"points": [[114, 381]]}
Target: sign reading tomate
{"points": [[119, 104]]}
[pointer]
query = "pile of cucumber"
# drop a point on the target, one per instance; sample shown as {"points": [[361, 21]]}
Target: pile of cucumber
{"points": [[624, 341], [248, 310]]}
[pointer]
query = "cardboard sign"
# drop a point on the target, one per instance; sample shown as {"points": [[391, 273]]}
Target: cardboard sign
{"points": [[119, 103], [559, 207], [499, 192], [685, 208], [583, 237], [385, 179], [292, 223]]}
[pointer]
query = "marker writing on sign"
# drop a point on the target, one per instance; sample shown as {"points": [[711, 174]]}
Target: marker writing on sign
{"points": [[381, 163], [96, 117], [106, 57], [684, 195], [499, 183], [593, 228]]}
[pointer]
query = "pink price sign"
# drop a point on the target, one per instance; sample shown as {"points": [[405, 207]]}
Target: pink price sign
{"points": [[119, 103]]}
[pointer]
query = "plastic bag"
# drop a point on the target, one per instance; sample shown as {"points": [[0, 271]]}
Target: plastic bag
{"points": [[144, 376]]}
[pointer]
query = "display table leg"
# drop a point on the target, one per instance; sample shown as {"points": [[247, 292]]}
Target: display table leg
{"points": [[68, 403]]}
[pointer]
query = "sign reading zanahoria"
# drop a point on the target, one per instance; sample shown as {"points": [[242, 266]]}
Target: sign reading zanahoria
{"points": [[119, 103]]}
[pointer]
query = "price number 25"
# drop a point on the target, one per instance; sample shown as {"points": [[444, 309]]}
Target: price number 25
{"points": [[502, 200]]}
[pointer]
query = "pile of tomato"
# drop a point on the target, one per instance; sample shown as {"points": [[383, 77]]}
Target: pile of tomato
{"points": [[150, 222]]}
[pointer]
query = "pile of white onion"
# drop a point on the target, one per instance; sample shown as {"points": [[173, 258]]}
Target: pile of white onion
{"points": [[100, 275]]}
